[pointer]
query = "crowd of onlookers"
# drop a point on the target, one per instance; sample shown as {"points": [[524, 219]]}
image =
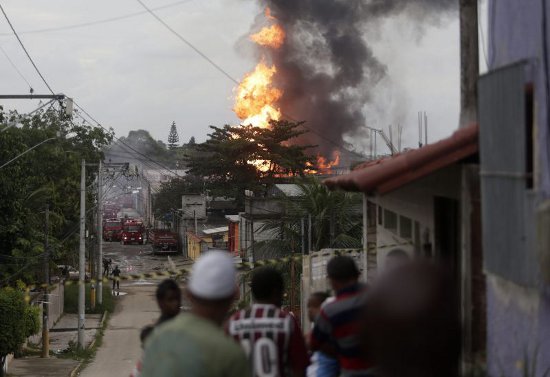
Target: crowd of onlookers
{"points": [[403, 324]]}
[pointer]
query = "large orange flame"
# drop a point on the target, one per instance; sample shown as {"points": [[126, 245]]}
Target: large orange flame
{"points": [[272, 36], [324, 165], [255, 98]]}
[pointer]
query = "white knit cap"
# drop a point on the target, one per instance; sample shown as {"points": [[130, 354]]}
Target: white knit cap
{"points": [[213, 276]]}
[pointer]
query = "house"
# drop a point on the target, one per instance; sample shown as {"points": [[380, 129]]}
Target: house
{"points": [[515, 181], [413, 201], [258, 211], [205, 239]]}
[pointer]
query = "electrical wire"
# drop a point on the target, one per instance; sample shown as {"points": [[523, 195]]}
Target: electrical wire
{"points": [[121, 141], [97, 22], [15, 67], [25, 49]]}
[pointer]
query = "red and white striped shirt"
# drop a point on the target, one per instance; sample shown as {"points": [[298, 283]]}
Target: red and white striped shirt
{"points": [[272, 340]]}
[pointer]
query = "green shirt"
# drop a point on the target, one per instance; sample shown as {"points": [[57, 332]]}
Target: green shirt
{"points": [[192, 346]]}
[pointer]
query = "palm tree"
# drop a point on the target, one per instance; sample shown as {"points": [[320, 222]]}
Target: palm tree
{"points": [[335, 216]]}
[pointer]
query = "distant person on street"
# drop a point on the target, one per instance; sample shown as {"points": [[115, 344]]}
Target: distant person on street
{"points": [[116, 279], [322, 365], [106, 266], [193, 344], [271, 338], [337, 326]]}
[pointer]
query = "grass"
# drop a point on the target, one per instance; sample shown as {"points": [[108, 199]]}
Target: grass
{"points": [[71, 300]]}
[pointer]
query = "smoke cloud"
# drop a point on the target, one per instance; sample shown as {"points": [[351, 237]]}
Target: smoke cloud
{"points": [[327, 69]]}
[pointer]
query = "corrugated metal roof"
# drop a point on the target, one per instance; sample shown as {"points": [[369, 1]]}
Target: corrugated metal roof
{"points": [[387, 174], [289, 189], [233, 218], [221, 229]]}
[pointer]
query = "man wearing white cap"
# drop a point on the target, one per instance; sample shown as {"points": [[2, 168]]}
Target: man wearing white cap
{"points": [[193, 344]]}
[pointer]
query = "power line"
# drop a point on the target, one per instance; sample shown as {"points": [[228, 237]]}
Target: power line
{"points": [[24, 49], [15, 67], [226, 74], [181, 38], [97, 22], [120, 141]]}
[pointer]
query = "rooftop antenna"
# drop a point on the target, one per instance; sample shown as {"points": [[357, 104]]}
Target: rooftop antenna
{"points": [[419, 129], [399, 136], [391, 137], [425, 128]]}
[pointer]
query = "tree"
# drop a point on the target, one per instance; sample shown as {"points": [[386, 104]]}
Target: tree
{"points": [[238, 158], [18, 321], [192, 141], [173, 137], [336, 221], [49, 174]]}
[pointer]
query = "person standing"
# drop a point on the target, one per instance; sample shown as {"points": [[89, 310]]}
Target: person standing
{"points": [[337, 327], [322, 365], [193, 344], [269, 336], [116, 279]]}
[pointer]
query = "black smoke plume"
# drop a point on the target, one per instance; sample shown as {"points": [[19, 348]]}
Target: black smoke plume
{"points": [[327, 68]]}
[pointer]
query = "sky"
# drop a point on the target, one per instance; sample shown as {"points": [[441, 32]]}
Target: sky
{"points": [[132, 73]]}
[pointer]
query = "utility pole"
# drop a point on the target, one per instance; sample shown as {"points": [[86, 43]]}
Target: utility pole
{"points": [[82, 259], [99, 291], [45, 303], [469, 74]]}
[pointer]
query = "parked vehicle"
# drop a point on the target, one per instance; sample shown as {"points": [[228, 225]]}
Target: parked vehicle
{"points": [[71, 273], [163, 241], [112, 229], [132, 231]]}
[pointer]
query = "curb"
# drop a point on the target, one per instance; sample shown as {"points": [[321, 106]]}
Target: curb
{"points": [[76, 369]]}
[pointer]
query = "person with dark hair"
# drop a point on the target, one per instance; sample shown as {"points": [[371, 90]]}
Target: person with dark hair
{"points": [[396, 258], [411, 326], [168, 299], [336, 330], [193, 344], [270, 336], [322, 365]]}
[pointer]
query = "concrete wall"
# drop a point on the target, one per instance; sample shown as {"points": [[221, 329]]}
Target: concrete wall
{"points": [[56, 308]]}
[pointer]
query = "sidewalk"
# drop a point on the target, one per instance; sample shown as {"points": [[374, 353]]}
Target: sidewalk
{"points": [[64, 331]]}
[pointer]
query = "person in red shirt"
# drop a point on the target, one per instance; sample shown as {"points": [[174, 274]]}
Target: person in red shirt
{"points": [[270, 337]]}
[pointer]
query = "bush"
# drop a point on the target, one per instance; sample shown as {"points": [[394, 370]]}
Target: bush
{"points": [[71, 299], [18, 321]]}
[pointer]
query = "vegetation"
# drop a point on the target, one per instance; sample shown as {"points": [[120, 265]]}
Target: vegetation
{"points": [[18, 321], [336, 221], [71, 299], [169, 195], [173, 137], [235, 158], [48, 175]]}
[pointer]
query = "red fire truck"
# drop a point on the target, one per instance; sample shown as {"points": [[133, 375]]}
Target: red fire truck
{"points": [[163, 241], [132, 231], [112, 229]]}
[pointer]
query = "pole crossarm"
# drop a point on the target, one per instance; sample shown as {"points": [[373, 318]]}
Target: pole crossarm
{"points": [[33, 96]]}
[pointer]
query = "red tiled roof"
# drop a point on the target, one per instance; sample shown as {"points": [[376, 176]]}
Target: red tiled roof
{"points": [[387, 174]]}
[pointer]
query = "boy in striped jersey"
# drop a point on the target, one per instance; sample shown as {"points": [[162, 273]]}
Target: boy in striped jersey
{"points": [[270, 337]]}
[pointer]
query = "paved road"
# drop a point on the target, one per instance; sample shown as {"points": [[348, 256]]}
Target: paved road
{"points": [[136, 308], [121, 346]]}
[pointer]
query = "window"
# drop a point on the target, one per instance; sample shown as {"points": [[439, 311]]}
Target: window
{"points": [[390, 220], [405, 227]]}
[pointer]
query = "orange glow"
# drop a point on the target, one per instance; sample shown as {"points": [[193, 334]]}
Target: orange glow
{"points": [[272, 36], [256, 97], [268, 14], [324, 165]]}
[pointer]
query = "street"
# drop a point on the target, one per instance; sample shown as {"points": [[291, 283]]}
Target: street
{"points": [[136, 308]]}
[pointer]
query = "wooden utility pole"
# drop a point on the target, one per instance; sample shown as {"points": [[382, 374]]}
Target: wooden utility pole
{"points": [[469, 74], [45, 303], [469, 61]]}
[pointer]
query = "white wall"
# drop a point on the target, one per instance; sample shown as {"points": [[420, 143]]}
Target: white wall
{"points": [[415, 201]]}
